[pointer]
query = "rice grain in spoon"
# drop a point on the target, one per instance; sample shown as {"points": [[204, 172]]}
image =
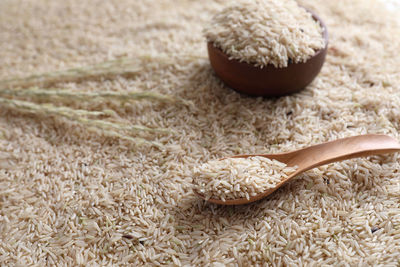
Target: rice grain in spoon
{"points": [[305, 159]]}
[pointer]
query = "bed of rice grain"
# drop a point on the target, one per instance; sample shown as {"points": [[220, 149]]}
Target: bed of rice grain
{"points": [[69, 197], [234, 178], [263, 32]]}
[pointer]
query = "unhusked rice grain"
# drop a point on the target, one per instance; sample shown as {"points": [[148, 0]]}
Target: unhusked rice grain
{"points": [[234, 178], [262, 32]]}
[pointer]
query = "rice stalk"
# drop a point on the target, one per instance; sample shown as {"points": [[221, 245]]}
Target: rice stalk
{"points": [[122, 127], [121, 66], [55, 92], [77, 115], [2, 133], [136, 140], [105, 69], [50, 109]]}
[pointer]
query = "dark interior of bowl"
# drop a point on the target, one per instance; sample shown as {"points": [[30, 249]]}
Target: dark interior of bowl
{"points": [[268, 81]]}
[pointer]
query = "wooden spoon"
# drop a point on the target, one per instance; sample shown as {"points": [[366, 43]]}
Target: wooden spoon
{"points": [[317, 155]]}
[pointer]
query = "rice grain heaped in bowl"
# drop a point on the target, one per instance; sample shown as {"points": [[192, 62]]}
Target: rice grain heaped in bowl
{"points": [[234, 178], [262, 32]]}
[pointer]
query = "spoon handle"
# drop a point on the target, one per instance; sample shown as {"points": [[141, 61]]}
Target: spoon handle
{"points": [[342, 149]]}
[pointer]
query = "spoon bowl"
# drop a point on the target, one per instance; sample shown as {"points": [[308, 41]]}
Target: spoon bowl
{"points": [[318, 155], [269, 80]]}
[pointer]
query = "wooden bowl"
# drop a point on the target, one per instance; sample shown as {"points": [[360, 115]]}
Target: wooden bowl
{"points": [[268, 81]]}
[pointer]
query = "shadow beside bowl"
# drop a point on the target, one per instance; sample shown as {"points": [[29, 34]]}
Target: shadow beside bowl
{"points": [[269, 80]]}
